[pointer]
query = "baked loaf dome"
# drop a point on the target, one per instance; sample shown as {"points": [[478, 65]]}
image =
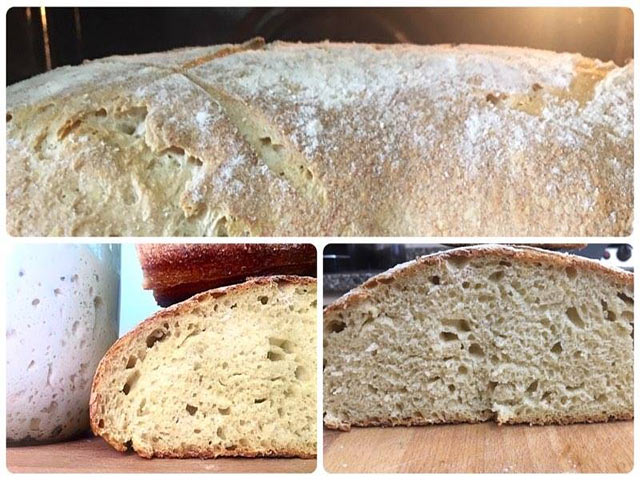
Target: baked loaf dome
{"points": [[229, 372], [324, 139], [515, 335], [177, 271]]}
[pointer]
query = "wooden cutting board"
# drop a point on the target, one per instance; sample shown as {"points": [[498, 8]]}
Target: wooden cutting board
{"points": [[94, 455], [485, 447]]}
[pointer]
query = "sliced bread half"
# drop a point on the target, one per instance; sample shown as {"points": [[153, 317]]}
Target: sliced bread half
{"points": [[229, 372], [516, 335]]}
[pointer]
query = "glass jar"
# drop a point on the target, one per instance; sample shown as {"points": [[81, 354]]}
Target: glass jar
{"points": [[62, 316]]}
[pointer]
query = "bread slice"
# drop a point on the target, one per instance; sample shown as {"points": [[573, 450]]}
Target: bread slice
{"points": [[229, 372], [515, 335], [177, 271]]}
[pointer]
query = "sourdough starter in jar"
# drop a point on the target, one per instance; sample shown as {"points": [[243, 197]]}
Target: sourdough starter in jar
{"points": [[62, 316]]}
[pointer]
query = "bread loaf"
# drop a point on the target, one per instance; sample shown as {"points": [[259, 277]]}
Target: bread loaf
{"points": [[229, 372], [515, 335], [324, 139], [175, 272]]}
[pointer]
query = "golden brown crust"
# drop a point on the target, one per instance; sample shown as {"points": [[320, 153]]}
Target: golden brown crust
{"points": [[153, 322], [175, 272], [454, 141], [416, 422], [520, 253]]}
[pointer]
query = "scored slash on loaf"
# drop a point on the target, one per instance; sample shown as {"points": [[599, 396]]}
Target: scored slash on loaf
{"points": [[515, 335], [324, 139], [229, 372]]}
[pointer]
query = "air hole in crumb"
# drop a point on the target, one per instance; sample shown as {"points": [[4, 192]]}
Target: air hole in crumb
{"points": [[56, 292], [435, 280], [192, 410], [496, 276], [275, 356], [448, 336], [625, 298], [35, 302], [194, 161], [533, 387], [131, 381], [571, 272], [465, 285], [460, 325], [462, 369], [452, 388], [504, 263], [476, 350], [101, 423], [336, 326], [557, 348], [263, 299], [224, 411], [282, 343], [574, 317], [302, 373], [259, 400], [97, 302], [492, 386], [220, 433], [608, 314], [9, 117], [156, 336]]}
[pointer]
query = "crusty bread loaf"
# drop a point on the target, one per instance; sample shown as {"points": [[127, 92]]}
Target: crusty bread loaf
{"points": [[229, 372], [324, 139], [175, 272], [516, 335]]}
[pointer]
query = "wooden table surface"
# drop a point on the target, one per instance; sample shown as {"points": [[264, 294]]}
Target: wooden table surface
{"points": [[94, 455], [484, 447]]}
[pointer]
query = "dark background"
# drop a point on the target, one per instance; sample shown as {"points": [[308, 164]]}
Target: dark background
{"points": [[362, 257], [72, 35]]}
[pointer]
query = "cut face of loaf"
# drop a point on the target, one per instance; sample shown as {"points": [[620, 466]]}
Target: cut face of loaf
{"points": [[482, 333], [229, 372]]}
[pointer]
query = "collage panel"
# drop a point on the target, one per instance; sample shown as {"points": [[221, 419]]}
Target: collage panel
{"points": [[192, 351], [478, 358], [394, 123]]}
